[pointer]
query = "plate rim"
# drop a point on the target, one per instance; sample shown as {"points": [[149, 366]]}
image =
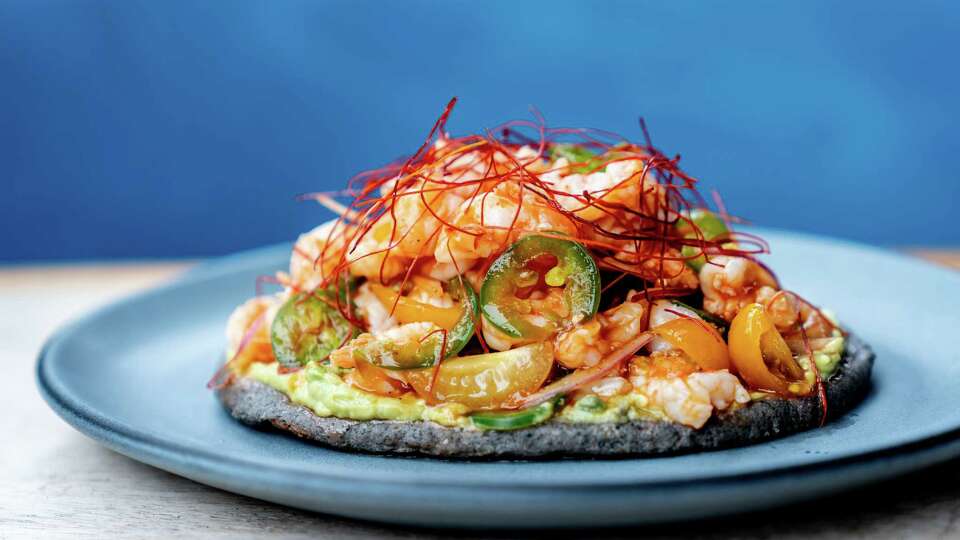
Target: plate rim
{"points": [[252, 479], [102, 428]]}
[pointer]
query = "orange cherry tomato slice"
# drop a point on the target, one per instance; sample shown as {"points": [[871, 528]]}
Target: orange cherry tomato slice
{"points": [[698, 340], [407, 310], [761, 356]]}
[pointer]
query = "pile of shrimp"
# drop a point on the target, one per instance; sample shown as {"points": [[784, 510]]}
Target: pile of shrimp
{"points": [[454, 205], [457, 202]]}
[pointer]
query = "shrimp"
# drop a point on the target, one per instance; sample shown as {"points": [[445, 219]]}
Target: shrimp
{"points": [[790, 314], [687, 398], [656, 263], [580, 346], [438, 271], [622, 199], [376, 315], [370, 257], [468, 167], [587, 343], [444, 193], [486, 224], [729, 283], [403, 234], [621, 184], [312, 260], [241, 321], [611, 386]]}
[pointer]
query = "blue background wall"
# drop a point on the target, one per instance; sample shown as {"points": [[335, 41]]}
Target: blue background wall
{"points": [[160, 128]]}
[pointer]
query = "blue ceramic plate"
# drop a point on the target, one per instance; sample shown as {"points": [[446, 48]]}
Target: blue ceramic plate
{"points": [[132, 376]]}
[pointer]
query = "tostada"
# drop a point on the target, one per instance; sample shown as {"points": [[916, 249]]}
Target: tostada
{"points": [[534, 291]]}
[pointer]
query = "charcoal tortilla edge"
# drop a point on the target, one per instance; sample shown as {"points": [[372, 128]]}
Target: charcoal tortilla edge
{"points": [[257, 404]]}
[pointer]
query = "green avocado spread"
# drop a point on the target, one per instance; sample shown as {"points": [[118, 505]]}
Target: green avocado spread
{"points": [[827, 357], [323, 390]]}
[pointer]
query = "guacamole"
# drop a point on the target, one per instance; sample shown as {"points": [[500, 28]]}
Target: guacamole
{"points": [[324, 392]]}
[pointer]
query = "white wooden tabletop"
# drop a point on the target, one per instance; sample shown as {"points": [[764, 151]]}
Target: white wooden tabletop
{"points": [[54, 482]]}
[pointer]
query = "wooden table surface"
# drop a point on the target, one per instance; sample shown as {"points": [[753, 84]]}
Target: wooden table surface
{"points": [[54, 482]]}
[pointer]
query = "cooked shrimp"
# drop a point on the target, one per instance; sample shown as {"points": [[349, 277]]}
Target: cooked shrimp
{"points": [[372, 311], [782, 306], [439, 271], [467, 167], [611, 386], [376, 308], [581, 346], [664, 311], [621, 199], [370, 257], [621, 183], [588, 342], [690, 399], [310, 263], [408, 231], [789, 314], [488, 223], [257, 348], [729, 283], [414, 228], [655, 263], [539, 302]]}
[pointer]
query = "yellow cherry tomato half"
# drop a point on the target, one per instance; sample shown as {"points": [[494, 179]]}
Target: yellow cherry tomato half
{"points": [[761, 356], [698, 340], [485, 381]]}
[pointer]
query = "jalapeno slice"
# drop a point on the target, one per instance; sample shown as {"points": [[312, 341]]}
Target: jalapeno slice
{"points": [[462, 332], [717, 322], [573, 153], [540, 262], [510, 420], [710, 227], [424, 348], [583, 159], [307, 328]]}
